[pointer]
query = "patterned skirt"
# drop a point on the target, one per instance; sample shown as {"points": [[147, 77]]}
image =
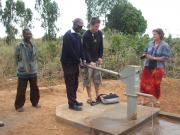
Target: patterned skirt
{"points": [[150, 81]]}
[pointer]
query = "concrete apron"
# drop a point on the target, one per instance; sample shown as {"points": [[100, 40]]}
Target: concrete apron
{"points": [[105, 119]]}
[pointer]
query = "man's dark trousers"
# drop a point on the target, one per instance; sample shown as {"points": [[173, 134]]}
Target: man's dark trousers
{"points": [[21, 91], [71, 74]]}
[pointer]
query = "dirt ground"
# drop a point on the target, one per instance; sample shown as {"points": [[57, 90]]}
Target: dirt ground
{"points": [[42, 121]]}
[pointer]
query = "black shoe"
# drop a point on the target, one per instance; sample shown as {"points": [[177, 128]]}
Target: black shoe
{"points": [[98, 100], [79, 103], [21, 109], [75, 107], [1, 124], [36, 106]]}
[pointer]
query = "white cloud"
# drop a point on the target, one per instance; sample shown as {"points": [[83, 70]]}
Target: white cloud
{"points": [[70, 9]]}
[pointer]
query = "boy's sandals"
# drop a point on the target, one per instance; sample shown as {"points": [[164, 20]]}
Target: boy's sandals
{"points": [[157, 104], [149, 103], [91, 102], [145, 103]]}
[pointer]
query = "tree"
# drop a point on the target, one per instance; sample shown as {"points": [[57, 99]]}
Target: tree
{"points": [[99, 7], [13, 14], [49, 12], [8, 15], [125, 18], [24, 16]]}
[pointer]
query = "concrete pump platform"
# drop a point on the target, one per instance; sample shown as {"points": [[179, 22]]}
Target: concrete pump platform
{"points": [[105, 119]]}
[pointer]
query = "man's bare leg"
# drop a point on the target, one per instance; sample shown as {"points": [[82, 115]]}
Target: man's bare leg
{"points": [[97, 90], [89, 93]]}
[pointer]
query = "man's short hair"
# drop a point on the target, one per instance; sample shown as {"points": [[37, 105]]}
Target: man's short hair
{"points": [[26, 30], [94, 20], [78, 21]]}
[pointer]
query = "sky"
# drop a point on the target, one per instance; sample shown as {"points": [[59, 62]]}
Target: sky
{"points": [[158, 13]]}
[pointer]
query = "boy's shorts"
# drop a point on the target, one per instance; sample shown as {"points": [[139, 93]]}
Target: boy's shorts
{"points": [[92, 74]]}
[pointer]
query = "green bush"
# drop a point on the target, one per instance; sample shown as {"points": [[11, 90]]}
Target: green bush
{"points": [[119, 50], [7, 65], [124, 49]]}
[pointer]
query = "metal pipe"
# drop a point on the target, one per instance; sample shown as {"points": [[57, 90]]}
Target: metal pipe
{"points": [[140, 94], [103, 70], [132, 95], [145, 95]]}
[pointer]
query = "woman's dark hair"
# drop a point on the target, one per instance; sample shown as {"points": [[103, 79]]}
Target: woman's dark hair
{"points": [[94, 20], [160, 32]]}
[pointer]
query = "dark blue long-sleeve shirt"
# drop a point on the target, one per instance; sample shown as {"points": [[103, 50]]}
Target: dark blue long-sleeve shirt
{"points": [[72, 50], [93, 46]]}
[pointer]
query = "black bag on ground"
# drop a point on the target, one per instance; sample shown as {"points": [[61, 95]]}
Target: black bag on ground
{"points": [[109, 98]]}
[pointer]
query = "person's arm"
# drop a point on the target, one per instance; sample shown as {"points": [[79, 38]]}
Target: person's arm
{"points": [[100, 48], [35, 51], [82, 55], [165, 54], [85, 48], [100, 45], [145, 52], [162, 59], [17, 54]]}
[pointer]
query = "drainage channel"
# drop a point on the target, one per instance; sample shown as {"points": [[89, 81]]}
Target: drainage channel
{"points": [[163, 124]]}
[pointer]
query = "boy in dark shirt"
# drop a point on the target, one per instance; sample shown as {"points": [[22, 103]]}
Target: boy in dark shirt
{"points": [[93, 50]]}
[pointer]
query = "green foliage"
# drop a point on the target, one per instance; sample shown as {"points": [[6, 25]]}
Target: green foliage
{"points": [[99, 7], [49, 12], [15, 13], [48, 57], [125, 18], [24, 16], [121, 49], [7, 61], [173, 66], [20, 8], [8, 17]]}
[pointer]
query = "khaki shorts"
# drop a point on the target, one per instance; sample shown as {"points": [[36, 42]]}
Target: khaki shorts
{"points": [[91, 74]]}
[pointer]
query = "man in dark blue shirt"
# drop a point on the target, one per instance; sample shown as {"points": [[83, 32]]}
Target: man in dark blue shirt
{"points": [[72, 53]]}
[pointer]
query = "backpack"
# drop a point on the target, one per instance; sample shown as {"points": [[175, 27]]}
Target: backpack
{"points": [[110, 98]]}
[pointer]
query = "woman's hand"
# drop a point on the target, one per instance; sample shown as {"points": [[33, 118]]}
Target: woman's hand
{"points": [[150, 57]]}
